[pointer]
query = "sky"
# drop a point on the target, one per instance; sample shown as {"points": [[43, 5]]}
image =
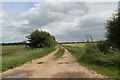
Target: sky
{"points": [[67, 21]]}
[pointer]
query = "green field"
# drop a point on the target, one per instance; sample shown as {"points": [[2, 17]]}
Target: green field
{"points": [[16, 55], [12, 49], [91, 57]]}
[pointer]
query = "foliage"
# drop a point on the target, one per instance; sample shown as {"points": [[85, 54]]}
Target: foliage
{"points": [[113, 30], [90, 54], [15, 43], [103, 46], [95, 56], [40, 39]]}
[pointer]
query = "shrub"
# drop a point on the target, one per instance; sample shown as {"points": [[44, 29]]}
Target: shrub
{"points": [[103, 46], [92, 54]]}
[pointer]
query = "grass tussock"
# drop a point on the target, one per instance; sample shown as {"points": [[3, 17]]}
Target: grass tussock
{"points": [[14, 56]]}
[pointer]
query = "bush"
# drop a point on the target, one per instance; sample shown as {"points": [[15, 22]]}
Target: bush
{"points": [[92, 54], [40, 39], [103, 46]]}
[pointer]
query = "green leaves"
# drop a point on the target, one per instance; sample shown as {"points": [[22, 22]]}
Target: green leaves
{"points": [[40, 39], [113, 30]]}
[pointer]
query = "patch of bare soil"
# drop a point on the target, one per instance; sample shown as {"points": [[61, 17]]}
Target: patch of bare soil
{"points": [[47, 67]]}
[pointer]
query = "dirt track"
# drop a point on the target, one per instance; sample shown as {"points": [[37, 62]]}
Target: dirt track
{"points": [[47, 67]]}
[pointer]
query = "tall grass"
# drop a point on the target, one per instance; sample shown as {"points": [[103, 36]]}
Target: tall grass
{"points": [[76, 51], [12, 49], [92, 57], [20, 55]]}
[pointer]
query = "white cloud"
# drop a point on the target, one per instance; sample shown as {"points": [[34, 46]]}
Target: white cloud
{"points": [[60, 0], [62, 28], [2, 15], [82, 0], [66, 21], [20, 23], [46, 13]]}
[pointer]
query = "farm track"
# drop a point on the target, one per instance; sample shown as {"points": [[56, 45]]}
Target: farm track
{"points": [[47, 67]]}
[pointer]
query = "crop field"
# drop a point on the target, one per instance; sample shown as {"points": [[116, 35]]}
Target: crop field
{"points": [[16, 55], [76, 44]]}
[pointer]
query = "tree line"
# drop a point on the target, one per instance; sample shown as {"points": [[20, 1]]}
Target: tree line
{"points": [[15, 43]]}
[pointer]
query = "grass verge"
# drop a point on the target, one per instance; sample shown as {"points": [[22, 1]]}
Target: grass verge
{"points": [[59, 53], [107, 71], [19, 57], [90, 53]]}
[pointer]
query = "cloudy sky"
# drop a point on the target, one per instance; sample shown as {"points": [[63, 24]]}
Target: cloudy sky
{"points": [[67, 21]]}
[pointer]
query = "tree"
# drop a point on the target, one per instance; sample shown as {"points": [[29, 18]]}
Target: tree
{"points": [[88, 38], [113, 30], [40, 39]]}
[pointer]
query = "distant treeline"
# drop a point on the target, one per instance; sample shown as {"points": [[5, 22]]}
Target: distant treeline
{"points": [[16, 43], [76, 42], [24, 43]]}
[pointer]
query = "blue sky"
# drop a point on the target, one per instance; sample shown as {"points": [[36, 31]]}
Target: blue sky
{"points": [[66, 21], [15, 8]]}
